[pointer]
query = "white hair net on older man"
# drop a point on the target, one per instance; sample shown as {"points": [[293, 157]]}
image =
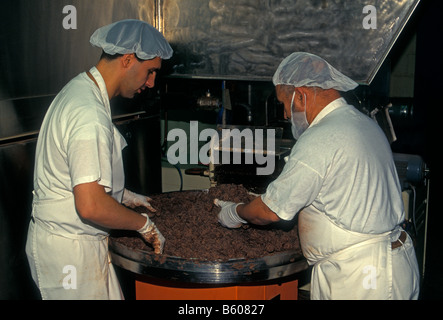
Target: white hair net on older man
{"points": [[301, 69], [132, 36]]}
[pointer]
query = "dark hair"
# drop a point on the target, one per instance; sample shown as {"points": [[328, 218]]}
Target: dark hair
{"points": [[110, 57]]}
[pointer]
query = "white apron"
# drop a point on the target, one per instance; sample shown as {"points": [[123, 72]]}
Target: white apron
{"points": [[68, 257], [351, 265]]}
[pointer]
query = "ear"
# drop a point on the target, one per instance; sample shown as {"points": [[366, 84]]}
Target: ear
{"points": [[127, 59], [299, 93]]}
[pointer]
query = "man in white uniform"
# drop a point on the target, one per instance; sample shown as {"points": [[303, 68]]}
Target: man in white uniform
{"points": [[341, 177], [79, 178]]}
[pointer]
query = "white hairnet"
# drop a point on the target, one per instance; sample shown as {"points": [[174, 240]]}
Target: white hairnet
{"points": [[132, 36], [301, 69]]}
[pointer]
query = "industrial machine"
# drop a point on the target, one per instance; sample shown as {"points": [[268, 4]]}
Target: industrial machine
{"points": [[414, 176]]}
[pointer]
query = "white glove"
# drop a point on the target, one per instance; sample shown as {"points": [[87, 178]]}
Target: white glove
{"points": [[152, 235], [132, 200], [228, 216]]}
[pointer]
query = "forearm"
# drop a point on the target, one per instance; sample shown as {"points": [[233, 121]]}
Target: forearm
{"points": [[95, 205], [257, 212]]}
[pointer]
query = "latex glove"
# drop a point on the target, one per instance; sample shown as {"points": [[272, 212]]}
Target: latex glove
{"points": [[152, 235], [228, 216], [132, 200]]}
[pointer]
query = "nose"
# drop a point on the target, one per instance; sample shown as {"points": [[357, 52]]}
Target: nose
{"points": [[286, 116], [286, 112], [150, 83]]}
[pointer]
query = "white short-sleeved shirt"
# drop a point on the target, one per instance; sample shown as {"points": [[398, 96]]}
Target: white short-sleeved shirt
{"points": [[342, 165], [76, 141]]}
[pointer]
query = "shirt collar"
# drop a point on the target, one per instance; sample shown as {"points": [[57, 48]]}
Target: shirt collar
{"points": [[102, 86], [337, 103]]}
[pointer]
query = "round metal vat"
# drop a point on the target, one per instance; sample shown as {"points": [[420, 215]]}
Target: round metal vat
{"points": [[233, 271]]}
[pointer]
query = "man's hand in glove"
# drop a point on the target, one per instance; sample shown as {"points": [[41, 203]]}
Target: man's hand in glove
{"points": [[228, 216], [132, 200], [152, 235]]}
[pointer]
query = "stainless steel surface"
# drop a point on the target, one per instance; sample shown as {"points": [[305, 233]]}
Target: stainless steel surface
{"points": [[225, 39], [206, 272], [22, 116], [247, 39], [16, 164], [40, 55]]}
